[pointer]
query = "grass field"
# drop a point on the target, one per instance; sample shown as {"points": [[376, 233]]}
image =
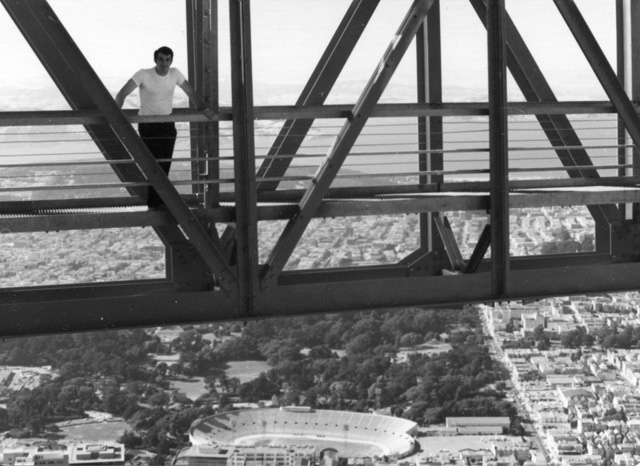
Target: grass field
{"points": [[193, 387], [98, 431], [246, 370], [344, 446]]}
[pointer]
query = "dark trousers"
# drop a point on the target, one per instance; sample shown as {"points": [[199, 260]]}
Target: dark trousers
{"points": [[160, 139]]}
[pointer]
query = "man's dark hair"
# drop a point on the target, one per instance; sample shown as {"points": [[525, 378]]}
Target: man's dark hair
{"points": [[164, 51]]}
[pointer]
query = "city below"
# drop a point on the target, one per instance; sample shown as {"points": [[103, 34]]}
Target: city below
{"points": [[91, 256], [574, 372], [573, 389]]}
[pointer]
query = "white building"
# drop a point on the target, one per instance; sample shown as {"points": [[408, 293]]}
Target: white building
{"points": [[97, 454], [242, 455], [34, 456]]}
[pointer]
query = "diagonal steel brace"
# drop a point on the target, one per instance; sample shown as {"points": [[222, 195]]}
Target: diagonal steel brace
{"points": [[484, 242], [557, 128], [79, 98], [52, 58], [345, 140], [40, 12], [601, 67], [450, 245], [316, 91]]}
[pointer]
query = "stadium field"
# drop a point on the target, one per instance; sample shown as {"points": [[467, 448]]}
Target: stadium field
{"points": [[352, 434], [346, 447]]}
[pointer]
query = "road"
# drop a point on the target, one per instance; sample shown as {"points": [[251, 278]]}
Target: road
{"points": [[523, 412]]}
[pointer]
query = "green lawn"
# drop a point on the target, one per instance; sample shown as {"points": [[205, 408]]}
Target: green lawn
{"points": [[193, 387], [246, 370], [95, 432]]}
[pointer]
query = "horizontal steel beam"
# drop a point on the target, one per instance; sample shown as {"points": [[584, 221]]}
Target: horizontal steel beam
{"points": [[34, 207], [84, 221], [84, 291], [155, 309], [387, 271], [361, 192], [387, 205], [437, 203], [452, 109], [294, 195]]}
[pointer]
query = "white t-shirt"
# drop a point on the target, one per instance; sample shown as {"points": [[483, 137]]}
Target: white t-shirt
{"points": [[156, 92]]}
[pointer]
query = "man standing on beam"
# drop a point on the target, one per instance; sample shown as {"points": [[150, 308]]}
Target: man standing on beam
{"points": [[157, 87]]}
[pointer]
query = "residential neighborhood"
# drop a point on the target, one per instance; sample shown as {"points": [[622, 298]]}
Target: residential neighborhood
{"points": [[582, 398]]}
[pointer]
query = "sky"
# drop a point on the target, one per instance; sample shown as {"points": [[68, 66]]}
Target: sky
{"points": [[289, 36]]}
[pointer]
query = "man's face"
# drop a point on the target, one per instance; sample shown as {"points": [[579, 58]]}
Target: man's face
{"points": [[163, 63]]}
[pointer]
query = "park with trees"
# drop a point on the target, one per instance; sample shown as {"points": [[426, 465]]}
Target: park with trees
{"points": [[344, 361]]}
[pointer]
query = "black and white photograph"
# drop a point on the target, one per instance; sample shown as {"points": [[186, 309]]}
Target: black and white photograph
{"points": [[320, 233]]}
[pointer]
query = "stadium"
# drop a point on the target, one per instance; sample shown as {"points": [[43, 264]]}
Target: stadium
{"points": [[348, 434]]}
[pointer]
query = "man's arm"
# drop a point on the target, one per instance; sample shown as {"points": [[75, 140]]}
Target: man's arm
{"points": [[127, 89], [195, 99]]}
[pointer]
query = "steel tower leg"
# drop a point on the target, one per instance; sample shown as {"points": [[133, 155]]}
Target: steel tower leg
{"points": [[498, 145], [202, 21], [316, 91], [430, 129], [621, 70], [246, 216], [628, 47]]}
